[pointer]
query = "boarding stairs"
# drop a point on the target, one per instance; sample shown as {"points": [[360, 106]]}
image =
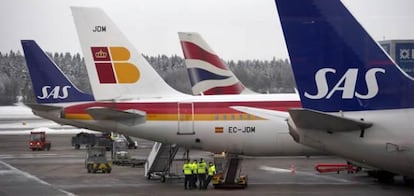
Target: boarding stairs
{"points": [[229, 165], [159, 161], [232, 169]]}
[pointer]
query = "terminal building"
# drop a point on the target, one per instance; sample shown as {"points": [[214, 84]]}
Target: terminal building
{"points": [[402, 51]]}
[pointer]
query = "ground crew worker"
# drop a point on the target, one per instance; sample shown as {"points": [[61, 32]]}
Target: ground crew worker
{"points": [[201, 172], [188, 173], [194, 168], [211, 172]]}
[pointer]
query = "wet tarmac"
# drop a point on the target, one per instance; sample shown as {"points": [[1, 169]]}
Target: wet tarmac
{"points": [[61, 171]]}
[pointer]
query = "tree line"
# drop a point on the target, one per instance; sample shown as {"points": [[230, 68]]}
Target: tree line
{"points": [[263, 76]]}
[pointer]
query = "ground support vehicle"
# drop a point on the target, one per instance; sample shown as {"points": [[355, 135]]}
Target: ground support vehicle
{"points": [[160, 162], [83, 138], [104, 142], [131, 143], [96, 160], [324, 168], [120, 154], [228, 174], [38, 141]]}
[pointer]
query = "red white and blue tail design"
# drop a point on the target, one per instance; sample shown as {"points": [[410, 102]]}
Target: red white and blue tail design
{"points": [[208, 74]]}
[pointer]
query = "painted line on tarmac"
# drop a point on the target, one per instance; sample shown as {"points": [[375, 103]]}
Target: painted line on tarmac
{"points": [[22, 131], [32, 156], [29, 176], [281, 170], [111, 185]]}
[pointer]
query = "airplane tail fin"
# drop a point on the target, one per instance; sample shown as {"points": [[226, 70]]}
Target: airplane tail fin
{"points": [[50, 85], [336, 63], [115, 68], [208, 74]]}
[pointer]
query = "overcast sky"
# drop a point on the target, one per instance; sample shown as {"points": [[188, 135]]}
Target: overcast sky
{"points": [[235, 29]]}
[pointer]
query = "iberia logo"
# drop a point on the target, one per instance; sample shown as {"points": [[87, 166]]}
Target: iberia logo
{"points": [[113, 66]]}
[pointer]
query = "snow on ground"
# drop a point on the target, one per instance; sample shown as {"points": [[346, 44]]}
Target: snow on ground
{"points": [[19, 119]]}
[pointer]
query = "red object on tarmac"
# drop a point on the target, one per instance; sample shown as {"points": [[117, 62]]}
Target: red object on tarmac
{"points": [[324, 168], [38, 141]]}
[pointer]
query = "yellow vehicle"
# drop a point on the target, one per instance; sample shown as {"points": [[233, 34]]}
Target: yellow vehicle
{"points": [[219, 182], [96, 160], [230, 176]]}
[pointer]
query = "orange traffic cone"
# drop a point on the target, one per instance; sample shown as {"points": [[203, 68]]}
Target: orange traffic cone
{"points": [[292, 169]]}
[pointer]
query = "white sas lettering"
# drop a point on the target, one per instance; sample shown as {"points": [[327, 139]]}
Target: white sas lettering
{"points": [[346, 84], [321, 84], [65, 92], [372, 83], [54, 93], [348, 87]]}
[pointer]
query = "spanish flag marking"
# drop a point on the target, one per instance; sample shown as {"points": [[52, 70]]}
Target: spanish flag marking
{"points": [[218, 129]]}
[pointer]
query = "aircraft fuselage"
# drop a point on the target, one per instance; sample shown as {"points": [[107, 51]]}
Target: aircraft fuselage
{"points": [[387, 145], [205, 122]]}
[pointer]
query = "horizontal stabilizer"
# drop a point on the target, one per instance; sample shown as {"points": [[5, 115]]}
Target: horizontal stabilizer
{"points": [[127, 117], [262, 113], [46, 111], [311, 119], [42, 107]]}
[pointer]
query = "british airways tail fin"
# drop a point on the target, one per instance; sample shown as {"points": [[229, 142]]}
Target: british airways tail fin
{"points": [[208, 74], [336, 63], [50, 85], [115, 68]]}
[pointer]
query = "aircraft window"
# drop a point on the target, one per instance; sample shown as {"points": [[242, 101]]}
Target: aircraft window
{"points": [[241, 116], [216, 117], [232, 117], [248, 116], [224, 117]]}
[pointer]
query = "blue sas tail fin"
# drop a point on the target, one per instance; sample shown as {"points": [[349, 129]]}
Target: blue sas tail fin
{"points": [[50, 85], [336, 63]]}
